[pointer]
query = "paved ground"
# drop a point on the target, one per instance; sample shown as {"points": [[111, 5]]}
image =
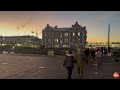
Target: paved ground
{"points": [[20, 66]]}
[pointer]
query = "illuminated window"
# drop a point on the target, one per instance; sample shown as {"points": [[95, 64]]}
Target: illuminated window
{"points": [[78, 33], [65, 46], [66, 34], [56, 46], [60, 34], [56, 40], [73, 34]]}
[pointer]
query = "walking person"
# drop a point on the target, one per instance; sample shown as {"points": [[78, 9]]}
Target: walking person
{"points": [[87, 54], [92, 52], [69, 63], [109, 53], [99, 56], [80, 62]]}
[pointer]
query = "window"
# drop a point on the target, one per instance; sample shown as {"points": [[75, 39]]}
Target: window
{"points": [[65, 46], [66, 40], [78, 33], [73, 40], [3, 38], [56, 40], [60, 34], [66, 34], [49, 40], [56, 46], [56, 34], [49, 46], [73, 34], [78, 40], [45, 34], [61, 41], [45, 45], [45, 40], [49, 34]]}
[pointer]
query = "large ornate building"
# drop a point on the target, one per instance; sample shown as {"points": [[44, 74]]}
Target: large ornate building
{"points": [[69, 37]]}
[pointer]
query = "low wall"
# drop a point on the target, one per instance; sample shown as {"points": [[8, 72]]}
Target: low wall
{"points": [[28, 50]]}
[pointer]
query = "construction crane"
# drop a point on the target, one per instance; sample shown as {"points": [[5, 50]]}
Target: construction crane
{"points": [[35, 33], [32, 32], [24, 24]]}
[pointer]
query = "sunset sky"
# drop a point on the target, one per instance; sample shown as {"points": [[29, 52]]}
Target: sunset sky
{"points": [[96, 22]]}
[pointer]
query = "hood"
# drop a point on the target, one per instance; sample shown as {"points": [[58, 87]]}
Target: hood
{"points": [[69, 55]]}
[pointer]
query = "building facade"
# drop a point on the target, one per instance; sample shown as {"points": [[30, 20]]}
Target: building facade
{"points": [[69, 37]]}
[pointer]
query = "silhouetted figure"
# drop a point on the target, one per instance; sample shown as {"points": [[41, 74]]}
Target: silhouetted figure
{"points": [[87, 53], [92, 52], [109, 53], [99, 56], [69, 63], [101, 50], [80, 62], [105, 52]]}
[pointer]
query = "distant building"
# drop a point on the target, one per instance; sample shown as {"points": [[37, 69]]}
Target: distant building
{"points": [[21, 40], [96, 44], [68, 37], [103, 44], [115, 44]]}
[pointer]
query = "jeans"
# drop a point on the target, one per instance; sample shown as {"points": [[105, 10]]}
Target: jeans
{"points": [[70, 69]]}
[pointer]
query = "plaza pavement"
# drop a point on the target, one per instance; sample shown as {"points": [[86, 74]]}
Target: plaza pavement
{"points": [[27, 66]]}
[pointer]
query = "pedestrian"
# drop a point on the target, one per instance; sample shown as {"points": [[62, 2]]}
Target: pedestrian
{"points": [[66, 52], [80, 62], [92, 52], [99, 56], [109, 53], [86, 52], [69, 63]]}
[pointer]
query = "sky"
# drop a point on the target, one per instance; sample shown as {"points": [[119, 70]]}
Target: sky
{"points": [[96, 22]]}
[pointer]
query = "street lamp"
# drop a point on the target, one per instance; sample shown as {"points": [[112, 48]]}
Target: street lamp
{"points": [[108, 36], [1, 40], [1, 44]]}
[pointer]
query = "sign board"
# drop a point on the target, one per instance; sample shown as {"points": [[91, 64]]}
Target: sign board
{"points": [[50, 53]]}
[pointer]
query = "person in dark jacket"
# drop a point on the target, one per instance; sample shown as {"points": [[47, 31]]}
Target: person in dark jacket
{"points": [[69, 63], [87, 54], [92, 55]]}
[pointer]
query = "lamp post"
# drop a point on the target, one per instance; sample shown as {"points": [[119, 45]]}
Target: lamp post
{"points": [[108, 35], [1, 43], [1, 40]]}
